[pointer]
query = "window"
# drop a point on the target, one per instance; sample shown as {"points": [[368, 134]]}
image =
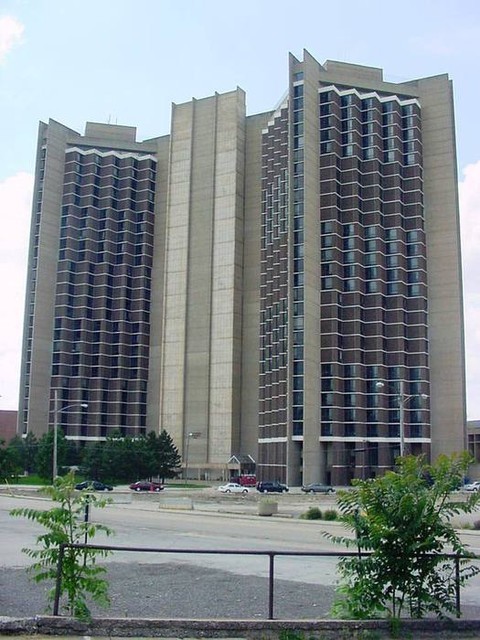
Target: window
{"points": [[367, 103], [392, 261], [350, 284], [392, 247], [350, 415], [393, 288], [349, 257], [348, 150], [327, 255], [327, 227]]}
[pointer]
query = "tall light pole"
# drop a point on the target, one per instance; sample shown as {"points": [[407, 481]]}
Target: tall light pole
{"points": [[402, 399], [189, 435], [56, 412]]}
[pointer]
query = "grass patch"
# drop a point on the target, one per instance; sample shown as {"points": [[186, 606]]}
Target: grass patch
{"points": [[31, 480]]}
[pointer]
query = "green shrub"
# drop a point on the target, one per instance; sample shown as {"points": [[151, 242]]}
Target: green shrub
{"points": [[314, 513], [66, 523], [330, 514], [404, 520]]}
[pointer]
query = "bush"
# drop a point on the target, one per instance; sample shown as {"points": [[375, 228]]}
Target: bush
{"points": [[314, 513], [330, 514], [403, 520]]}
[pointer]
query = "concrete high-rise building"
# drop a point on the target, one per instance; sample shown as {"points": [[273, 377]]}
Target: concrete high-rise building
{"points": [[284, 286]]}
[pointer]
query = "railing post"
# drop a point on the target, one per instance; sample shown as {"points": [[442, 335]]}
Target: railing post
{"points": [[58, 582], [271, 571], [457, 585]]}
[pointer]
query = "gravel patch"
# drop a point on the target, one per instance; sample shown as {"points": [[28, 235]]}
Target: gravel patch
{"points": [[176, 591]]}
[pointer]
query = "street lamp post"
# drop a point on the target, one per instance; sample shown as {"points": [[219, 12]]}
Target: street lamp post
{"points": [[402, 398], [189, 435], [56, 412]]}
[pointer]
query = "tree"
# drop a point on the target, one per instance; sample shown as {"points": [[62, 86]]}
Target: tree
{"points": [[30, 448], [6, 466], [167, 458], [404, 520], [44, 457], [16, 455], [121, 459], [81, 577]]}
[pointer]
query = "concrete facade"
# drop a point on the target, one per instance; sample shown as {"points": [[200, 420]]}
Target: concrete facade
{"points": [[258, 285]]}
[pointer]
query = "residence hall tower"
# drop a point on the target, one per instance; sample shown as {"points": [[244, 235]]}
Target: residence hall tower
{"points": [[283, 287]]}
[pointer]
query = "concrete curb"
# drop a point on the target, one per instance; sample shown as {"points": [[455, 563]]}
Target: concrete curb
{"points": [[254, 629]]}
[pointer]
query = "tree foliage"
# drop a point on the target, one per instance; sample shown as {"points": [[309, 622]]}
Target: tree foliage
{"points": [[403, 519], [125, 459], [65, 524], [44, 456]]}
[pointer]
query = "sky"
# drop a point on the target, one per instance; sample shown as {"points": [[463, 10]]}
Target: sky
{"points": [[126, 61]]}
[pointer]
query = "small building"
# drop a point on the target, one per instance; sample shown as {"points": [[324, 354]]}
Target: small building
{"points": [[8, 425]]}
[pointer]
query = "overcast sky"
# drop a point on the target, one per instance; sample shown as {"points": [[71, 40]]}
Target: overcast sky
{"points": [[125, 61]]}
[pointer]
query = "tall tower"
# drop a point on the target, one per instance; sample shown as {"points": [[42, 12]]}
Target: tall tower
{"points": [[87, 321], [361, 318]]}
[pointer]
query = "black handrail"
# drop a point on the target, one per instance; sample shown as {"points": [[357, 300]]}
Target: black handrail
{"points": [[228, 552]]}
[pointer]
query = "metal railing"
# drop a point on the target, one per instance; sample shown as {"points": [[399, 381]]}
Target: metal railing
{"points": [[228, 552]]}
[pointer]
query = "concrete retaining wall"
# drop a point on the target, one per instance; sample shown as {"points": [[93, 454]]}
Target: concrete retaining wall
{"points": [[249, 629]]}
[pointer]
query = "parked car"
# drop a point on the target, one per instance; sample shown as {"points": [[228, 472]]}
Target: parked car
{"points": [[146, 485], [473, 486], [271, 487], [93, 485], [233, 487], [316, 487]]}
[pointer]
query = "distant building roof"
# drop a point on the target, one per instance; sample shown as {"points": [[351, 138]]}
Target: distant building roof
{"points": [[8, 425], [242, 458]]}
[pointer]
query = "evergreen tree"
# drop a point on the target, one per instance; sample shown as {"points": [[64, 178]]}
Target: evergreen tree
{"points": [[30, 447], [16, 455], [44, 457], [167, 457]]}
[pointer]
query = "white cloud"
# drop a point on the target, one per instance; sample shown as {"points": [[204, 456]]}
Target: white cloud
{"points": [[470, 227], [15, 207], [11, 31]]}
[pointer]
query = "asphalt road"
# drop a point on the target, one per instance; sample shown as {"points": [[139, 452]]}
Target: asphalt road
{"points": [[204, 586]]}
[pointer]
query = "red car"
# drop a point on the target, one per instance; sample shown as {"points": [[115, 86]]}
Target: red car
{"points": [[146, 485]]}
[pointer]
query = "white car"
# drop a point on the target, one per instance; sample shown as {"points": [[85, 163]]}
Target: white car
{"points": [[473, 486], [233, 487]]}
